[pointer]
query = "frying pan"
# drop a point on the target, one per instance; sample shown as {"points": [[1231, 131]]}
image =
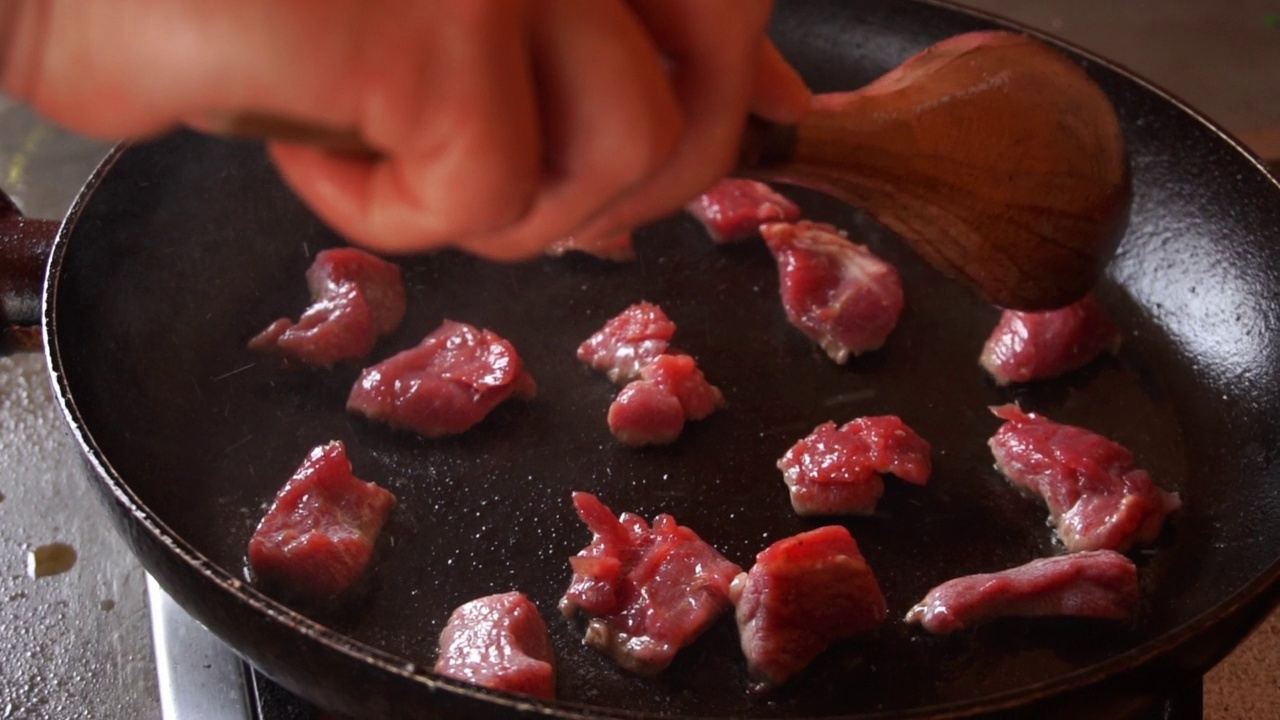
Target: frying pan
{"points": [[180, 249]]}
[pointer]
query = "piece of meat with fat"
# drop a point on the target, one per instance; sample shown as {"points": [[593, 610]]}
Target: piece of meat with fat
{"points": [[839, 471], [1090, 584], [835, 291], [647, 591], [1097, 498], [653, 409], [499, 642], [356, 298], [1027, 346], [628, 341], [450, 382], [735, 208], [804, 593], [319, 534]]}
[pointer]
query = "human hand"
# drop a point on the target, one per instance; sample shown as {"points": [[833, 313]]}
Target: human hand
{"points": [[500, 125]]}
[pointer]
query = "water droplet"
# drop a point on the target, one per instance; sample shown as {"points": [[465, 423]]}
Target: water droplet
{"points": [[51, 559], [107, 605]]}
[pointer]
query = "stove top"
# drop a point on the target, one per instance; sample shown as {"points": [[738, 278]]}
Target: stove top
{"points": [[200, 678]]}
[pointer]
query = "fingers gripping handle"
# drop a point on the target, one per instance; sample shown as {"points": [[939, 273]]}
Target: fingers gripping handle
{"points": [[24, 251]]}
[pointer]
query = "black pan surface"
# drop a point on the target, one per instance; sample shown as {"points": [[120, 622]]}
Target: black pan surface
{"points": [[183, 248]]}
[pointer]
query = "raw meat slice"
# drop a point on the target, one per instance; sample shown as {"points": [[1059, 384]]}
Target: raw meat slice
{"points": [[648, 591], [1026, 346], [838, 471], [662, 390], [1097, 499], [735, 208], [646, 413], [1093, 584], [356, 298], [804, 593], [837, 292], [499, 642], [628, 342], [653, 410], [679, 375], [318, 536], [445, 385]]}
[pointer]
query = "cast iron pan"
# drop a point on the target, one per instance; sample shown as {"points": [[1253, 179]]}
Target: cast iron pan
{"points": [[181, 249]]}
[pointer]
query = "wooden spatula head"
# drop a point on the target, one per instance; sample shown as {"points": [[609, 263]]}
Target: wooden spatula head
{"points": [[998, 160]]}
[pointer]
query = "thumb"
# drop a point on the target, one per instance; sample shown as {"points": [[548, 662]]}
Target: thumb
{"points": [[778, 93]]}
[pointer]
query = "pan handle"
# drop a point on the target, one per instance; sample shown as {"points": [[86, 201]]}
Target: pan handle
{"points": [[25, 245]]}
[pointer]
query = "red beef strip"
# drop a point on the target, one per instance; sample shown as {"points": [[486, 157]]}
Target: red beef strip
{"points": [[648, 591], [838, 471], [1091, 584], [1097, 499], [356, 298], [318, 536], [734, 209], [804, 593], [1026, 346], [837, 292], [628, 342], [653, 410], [499, 642], [454, 378]]}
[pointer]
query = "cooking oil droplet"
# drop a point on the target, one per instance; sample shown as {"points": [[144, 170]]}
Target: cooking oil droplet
{"points": [[1, 497], [51, 559], [107, 605]]}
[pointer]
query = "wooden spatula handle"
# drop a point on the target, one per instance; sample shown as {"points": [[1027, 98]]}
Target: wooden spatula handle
{"points": [[994, 156], [273, 127], [766, 145]]}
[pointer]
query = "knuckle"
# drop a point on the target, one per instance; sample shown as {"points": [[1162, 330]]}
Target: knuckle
{"points": [[642, 154], [474, 181]]}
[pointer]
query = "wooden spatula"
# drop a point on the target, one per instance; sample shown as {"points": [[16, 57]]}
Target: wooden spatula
{"points": [[994, 156]]}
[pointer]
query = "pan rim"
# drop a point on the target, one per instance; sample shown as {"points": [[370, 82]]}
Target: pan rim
{"points": [[1265, 584]]}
